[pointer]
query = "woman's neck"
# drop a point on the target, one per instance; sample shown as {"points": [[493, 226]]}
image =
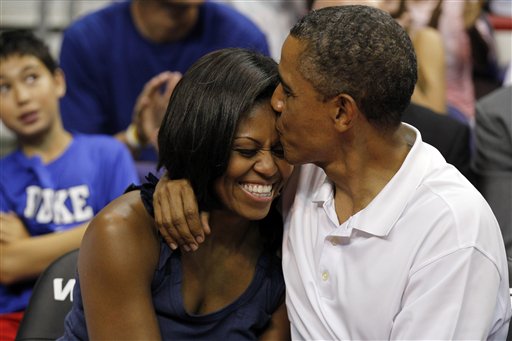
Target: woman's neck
{"points": [[229, 230], [230, 235]]}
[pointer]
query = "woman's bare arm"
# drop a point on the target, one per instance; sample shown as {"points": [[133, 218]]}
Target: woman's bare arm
{"points": [[117, 260], [177, 214], [279, 327]]}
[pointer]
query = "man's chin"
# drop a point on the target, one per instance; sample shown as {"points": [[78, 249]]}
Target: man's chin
{"points": [[293, 159]]}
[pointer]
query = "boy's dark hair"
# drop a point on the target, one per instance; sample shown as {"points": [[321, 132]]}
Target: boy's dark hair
{"points": [[204, 110], [363, 52], [25, 43]]}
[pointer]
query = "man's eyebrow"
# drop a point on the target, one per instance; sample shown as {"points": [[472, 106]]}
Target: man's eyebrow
{"points": [[283, 83]]}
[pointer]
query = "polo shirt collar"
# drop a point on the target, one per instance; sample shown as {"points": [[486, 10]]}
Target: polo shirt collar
{"points": [[381, 215], [325, 192]]}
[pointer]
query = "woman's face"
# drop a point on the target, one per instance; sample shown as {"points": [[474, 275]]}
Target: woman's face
{"points": [[256, 170]]}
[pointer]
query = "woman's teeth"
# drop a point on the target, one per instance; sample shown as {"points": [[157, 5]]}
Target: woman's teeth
{"points": [[258, 190]]}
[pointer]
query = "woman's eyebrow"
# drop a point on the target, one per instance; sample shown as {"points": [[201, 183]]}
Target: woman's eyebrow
{"points": [[248, 138]]}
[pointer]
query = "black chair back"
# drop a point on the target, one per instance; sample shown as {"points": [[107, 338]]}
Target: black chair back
{"points": [[50, 302]]}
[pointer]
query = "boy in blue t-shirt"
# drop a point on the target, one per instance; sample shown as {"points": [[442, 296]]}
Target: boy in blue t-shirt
{"points": [[54, 183]]}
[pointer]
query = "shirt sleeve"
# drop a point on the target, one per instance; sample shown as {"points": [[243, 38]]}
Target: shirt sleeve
{"points": [[451, 298], [120, 170], [84, 107]]}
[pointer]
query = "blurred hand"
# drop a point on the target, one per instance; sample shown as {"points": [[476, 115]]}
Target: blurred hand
{"points": [[11, 228], [151, 105]]}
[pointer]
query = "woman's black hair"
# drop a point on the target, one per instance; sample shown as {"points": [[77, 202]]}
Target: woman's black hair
{"points": [[204, 110]]}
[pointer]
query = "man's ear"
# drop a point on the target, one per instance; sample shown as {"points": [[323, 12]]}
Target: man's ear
{"points": [[347, 112]]}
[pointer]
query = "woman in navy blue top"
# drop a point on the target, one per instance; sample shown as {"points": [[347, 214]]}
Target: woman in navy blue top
{"points": [[219, 133]]}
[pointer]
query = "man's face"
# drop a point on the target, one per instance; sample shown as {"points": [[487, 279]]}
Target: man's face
{"points": [[304, 125], [171, 20]]}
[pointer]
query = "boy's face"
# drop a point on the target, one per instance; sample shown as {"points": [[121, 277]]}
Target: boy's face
{"points": [[29, 95]]}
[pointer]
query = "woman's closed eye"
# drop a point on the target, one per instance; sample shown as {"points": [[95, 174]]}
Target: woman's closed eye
{"points": [[248, 153], [276, 151]]}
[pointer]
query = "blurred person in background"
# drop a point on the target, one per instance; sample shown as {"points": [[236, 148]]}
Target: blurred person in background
{"points": [[493, 157], [54, 183], [109, 55]]}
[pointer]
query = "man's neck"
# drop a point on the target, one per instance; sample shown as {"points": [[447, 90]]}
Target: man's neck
{"points": [[364, 170]]}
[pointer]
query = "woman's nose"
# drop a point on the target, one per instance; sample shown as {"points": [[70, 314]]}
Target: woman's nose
{"points": [[265, 165]]}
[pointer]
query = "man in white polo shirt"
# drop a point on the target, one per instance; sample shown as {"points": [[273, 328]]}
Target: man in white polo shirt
{"points": [[382, 238]]}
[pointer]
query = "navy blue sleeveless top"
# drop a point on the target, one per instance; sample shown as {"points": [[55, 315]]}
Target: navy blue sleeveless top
{"points": [[244, 319]]}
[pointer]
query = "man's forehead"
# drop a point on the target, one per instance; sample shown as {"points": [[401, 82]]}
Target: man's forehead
{"points": [[289, 56]]}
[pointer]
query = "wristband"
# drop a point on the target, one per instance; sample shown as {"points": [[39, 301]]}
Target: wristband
{"points": [[132, 138]]}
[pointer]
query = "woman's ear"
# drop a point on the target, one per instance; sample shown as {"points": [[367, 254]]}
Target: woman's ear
{"points": [[347, 112]]}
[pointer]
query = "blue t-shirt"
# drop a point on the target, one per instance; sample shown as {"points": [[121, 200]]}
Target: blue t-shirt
{"points": [[64, 193], [107, 61]]}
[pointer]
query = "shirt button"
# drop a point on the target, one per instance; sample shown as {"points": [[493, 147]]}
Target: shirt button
{"points": [[325, 276]]}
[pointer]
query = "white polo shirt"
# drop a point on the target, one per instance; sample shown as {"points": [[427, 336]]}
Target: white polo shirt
{"points": [[424, 260]]}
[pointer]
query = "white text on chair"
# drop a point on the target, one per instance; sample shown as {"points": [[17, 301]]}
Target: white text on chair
{"points": [[60, 293]]}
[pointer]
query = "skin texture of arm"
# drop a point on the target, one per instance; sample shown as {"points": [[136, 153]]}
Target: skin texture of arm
{"points": [[179, 220], [28, 257], [279, 328], [431, 87], [118, 256]]}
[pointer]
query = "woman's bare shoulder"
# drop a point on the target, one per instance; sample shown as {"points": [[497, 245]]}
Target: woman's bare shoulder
{"points": [[123, 224]]}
